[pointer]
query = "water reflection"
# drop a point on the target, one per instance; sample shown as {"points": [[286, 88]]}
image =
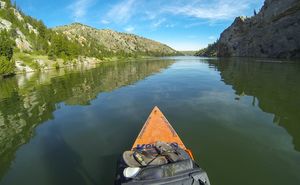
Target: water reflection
{"points": [[274, 87], [28, 100], [223, 110]]}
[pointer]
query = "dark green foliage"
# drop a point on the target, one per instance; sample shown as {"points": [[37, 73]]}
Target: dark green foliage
{"points": [[6, 53], [6, 46], [6, 67], [56, 65], [63, 48], [51, 55], [210, 51]]}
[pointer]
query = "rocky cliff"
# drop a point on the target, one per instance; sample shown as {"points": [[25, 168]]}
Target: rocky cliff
{"points": [[274, 32], [13, 21]]}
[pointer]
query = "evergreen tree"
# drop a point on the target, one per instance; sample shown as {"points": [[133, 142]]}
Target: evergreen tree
{"points": [[6, 46], [6, 66], [6, 53]]}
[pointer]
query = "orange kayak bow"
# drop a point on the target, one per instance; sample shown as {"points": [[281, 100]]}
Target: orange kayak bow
{"points": [[175, 166], [157, 128]]}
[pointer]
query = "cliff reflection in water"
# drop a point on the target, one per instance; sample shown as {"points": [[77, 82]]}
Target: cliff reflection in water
{"points": [[274, 87], [26, 101]]}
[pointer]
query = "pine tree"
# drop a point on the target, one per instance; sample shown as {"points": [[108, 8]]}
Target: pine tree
{"points": [[6, 46], [6, 53], [6, 67]]}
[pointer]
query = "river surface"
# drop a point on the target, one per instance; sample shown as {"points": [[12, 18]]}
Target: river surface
{"points": [[240, 117]]}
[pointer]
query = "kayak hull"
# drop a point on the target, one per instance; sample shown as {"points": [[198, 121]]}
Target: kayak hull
{"points": [[157, 128]]}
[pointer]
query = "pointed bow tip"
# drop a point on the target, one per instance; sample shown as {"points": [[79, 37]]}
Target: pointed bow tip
{"points": [[156, 109]]}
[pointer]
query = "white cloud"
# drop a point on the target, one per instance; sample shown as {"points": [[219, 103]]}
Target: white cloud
{"points": [[208, 12], [158, 23], [150, 15], [212, 37], [122, 12], [105, 21], [79, 8], [129, 29], [211, 10], [170, 25]]}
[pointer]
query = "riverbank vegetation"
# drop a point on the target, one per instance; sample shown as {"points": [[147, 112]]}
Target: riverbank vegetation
{"points": [[28, 45], [6, 54], [209, 51]]}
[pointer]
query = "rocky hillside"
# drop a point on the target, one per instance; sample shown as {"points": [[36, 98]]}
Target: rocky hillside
{"points": [[116, 42], [12, 20], [28, 45], [274, 32]]}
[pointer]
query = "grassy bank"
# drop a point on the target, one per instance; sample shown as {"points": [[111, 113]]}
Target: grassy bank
{"points": [[31, 62]]}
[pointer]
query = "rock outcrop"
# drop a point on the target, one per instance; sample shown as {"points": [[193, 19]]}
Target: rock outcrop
{"points": [[17, 14], [21, 41], [5, 24], [2, 4], [274, 32], [32, 29]]}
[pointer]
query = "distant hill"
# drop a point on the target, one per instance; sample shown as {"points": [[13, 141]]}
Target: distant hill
{"points": [[188, 53], [111, 41]]}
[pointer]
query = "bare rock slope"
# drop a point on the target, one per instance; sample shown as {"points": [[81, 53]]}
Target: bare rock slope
{"points": [[273, 32], [113, 41]]}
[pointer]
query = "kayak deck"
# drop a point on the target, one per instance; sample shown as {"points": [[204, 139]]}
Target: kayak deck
{"points": [[155, 159], [157, 128]]}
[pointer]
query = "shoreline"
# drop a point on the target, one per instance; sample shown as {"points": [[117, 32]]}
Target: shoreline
{"points": [[22, 67]]}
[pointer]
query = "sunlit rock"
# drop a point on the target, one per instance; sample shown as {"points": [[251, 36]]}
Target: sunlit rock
{"points": [[273, 32], [5, 24]]}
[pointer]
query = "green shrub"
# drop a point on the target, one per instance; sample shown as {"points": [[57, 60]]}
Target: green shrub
{"points": [[6, 66], [210, 51], [6, 46], [56, 65], [51, 55], [28, 60]]}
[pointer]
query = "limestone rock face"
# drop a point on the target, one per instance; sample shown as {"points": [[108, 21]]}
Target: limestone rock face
{"points": [[20, 66], [274, 32], [5, 24], [32, 29], [2, 4], [21, 41], [17, 14]]}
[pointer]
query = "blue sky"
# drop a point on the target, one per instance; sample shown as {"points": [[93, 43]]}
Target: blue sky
{"points": [[182, 24]]}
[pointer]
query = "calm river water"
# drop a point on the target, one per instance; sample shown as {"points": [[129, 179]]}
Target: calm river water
{"points": [[241, 118]]}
